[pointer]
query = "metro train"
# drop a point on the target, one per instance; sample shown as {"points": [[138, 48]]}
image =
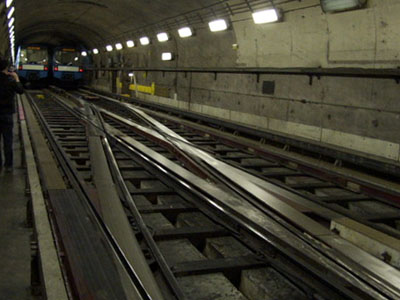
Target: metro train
{"points": [[40, 65], [33, 64], [68, 66]]}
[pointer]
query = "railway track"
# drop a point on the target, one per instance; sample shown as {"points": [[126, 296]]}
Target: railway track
{"points": [[203, 240], [378, 208]]}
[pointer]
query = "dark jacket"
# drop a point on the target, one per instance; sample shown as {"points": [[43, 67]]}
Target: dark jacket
{"points": [[8, 88]]}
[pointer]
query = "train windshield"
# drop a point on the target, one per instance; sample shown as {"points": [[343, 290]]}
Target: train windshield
{"points": [[68, 57], [34, 55]]}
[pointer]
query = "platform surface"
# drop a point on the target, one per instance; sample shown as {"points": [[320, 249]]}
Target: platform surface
{"points": [[14, 234]]}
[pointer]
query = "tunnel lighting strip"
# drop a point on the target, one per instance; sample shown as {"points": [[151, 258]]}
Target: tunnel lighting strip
{"points": [[262, 11], [222, 9], [11, 28]]}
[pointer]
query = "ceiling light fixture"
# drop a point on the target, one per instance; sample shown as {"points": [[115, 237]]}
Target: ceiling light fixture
{"points": [[10, 12], [167, 56], [185, 32], [8, 3], [144, 40], [130, 44], [341, 5], [11, 22], [84, 53], [162, 37], [118, 46], [95, 51], [218, 25], [109, 48], [266, 16]]}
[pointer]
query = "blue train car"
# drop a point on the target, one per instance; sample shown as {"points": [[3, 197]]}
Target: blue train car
{"points": [[68, 68], [32, 64]]}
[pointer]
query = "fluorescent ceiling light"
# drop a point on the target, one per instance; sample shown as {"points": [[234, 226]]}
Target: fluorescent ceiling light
{"points": [[185, 32], [131, 74], [95, 51], [144, 40], [166, 56], [11, 22], [8, 3], [130, 44], [162, 37], [341, 5], [84, 53], [265, 16], [118, 46], [218, 25], [10, 12], [76, 59], [109, 48]]}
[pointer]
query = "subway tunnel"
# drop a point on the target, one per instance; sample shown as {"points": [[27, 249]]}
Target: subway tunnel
{"points": [[210, 149]]}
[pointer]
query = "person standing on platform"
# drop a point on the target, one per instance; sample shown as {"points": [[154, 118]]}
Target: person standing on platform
{"points": [[9, 85]]}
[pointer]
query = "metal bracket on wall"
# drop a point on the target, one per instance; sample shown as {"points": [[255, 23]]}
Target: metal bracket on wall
{"points": [[311, 78]]}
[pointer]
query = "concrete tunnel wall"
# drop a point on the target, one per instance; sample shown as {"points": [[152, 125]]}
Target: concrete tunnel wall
{"points": [[354, 113]]}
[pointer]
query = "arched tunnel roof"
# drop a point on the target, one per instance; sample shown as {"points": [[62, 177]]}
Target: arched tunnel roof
{"points": [[92, 23]]}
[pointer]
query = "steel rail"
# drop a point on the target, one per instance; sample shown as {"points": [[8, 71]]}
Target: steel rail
{"points": [[210, 196], [83, 192], [139, 220], [243, 190], [282, 189], [131, 203], [374, 192], [260, 229]]}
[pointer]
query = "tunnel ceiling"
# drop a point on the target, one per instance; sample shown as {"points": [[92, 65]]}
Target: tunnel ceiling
{"points": [[92, 23]]}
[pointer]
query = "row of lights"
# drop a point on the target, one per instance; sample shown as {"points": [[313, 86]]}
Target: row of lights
{"points": [[11, 26], [259, 17]]}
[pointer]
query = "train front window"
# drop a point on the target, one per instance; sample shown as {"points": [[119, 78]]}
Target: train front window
{"points": [[34, 55], [69, 58]]}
